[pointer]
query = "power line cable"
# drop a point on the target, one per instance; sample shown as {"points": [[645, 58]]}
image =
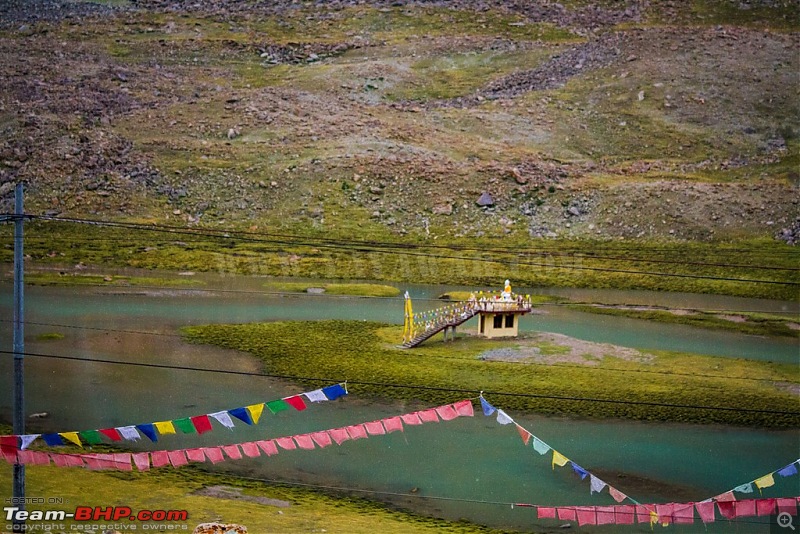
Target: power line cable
{"points": [[412, 387]]}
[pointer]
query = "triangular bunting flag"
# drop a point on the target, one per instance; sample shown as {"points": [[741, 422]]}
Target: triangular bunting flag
{"points": [[296, 402], [334, 392], [744, 488], [524, 434], [242, 414], [580, 471], [616, 494], [789, 470], [184, 425], [164, 427], [502, 418], [224, 419], [488, 409], [316, 396], [129, 432], [596, 485], [72, 437], [92, 437], [540, 446], [202, 423], [53, 440], [111, 433], [255, 412], [559, 459], [149, 430], [27, 439], [764, 482], [277, 406]]}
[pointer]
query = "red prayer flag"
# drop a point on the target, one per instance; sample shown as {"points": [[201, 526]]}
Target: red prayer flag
{"points": [[428, 416], [356, 431], [766, 506], [587, 515], [323, 439], [177, 458], [92, 463], [605, 515], [286, 443], [566, 513], [296, 402], [304, 441], [214, 454], [624, 515], [375, 428], [250, 450], [447, 413], [787, 504], [339, 435], [74, 460], [122, 461], [618, 495], [664, 512], [705, 510], [726, 509], [111, 433], [201, 423], [524, 434], [683, 514], [195, 455], [643, 513], [411, 419], [141, 460], [746, 508], [232, 451], [464, 408], [546, 512], [159, 458], [393, 424], [268, 446], [59, 460]]}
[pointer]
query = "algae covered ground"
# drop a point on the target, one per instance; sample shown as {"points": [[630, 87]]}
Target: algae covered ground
{"points": [[607, 383]]}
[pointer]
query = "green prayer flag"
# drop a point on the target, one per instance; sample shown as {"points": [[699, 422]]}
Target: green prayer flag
{"points": [[184, 425], [92, 437], [277, 405]]}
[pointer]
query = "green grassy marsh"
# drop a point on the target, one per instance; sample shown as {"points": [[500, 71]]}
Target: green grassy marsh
{"points": [[366, 353]]}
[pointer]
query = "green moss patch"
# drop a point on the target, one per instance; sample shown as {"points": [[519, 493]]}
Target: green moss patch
{"points": [[359, 290], [367, 355]]}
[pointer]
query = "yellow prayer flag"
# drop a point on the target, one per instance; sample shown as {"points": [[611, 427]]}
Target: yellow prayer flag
{"points": [[164, 427], [765, 482], [559, 459], [255, 412], [653, 519], [72, 436]]}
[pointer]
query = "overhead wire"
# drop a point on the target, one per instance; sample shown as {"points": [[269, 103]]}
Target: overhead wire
{"points": [[404, 386]]}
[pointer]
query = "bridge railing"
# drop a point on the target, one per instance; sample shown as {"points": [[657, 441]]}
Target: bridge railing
{"points": [[435, 319]]}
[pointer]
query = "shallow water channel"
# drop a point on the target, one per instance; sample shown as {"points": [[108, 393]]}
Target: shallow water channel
{"points": [[469, 468]]}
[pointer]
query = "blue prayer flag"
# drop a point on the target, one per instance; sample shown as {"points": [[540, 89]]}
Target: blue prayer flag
{"points": [[580, 471], [149, 430], [334, 392], [789, 470], [241, 413], [488, 409], [53, 440]]}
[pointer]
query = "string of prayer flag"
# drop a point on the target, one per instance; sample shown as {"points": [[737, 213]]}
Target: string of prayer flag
{"points": [[595, 484], [198, 424], [177, 458]]}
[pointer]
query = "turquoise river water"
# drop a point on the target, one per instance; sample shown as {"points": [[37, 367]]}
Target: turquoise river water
{"points": [[470, 468]]}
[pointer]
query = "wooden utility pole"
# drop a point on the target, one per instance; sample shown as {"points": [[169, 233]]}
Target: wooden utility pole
{"points": [[18, 489]]}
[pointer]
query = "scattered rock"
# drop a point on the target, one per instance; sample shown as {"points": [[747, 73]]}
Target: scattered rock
{"points": [[485, 200]]}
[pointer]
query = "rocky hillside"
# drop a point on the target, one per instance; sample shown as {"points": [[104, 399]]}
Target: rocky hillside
{"points": [[648, 119]]}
